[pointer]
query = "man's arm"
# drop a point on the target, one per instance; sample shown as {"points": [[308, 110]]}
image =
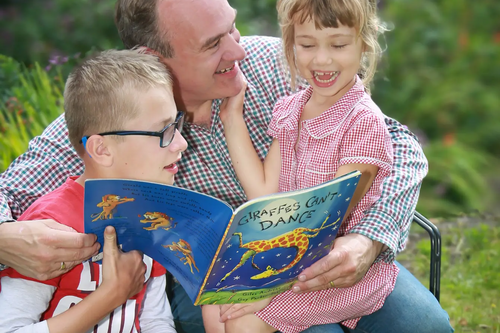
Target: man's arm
{"points": [[389, 219], [49, 161], [37, 248]]}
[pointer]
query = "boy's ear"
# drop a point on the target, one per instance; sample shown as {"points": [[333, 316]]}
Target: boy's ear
{"points": [[98, 148]]}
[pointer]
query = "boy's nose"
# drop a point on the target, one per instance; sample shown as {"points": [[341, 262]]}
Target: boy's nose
{"points": [[178, 144]]}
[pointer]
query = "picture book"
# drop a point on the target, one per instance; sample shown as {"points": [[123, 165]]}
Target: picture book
{"points": [[220, 255]]}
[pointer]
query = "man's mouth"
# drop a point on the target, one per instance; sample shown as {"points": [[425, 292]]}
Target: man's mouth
{"points": [[325, 77], [225, 70]]}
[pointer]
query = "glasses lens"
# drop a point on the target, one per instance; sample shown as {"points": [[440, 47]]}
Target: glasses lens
{"points": [[168, 135], [180, 123]]}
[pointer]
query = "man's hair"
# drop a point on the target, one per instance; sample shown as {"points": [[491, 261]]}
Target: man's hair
{"points": [[98, 96], [137, 24], [358, 14]]}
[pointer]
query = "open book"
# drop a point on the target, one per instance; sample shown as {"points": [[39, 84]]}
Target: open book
{"points": [[219, 255]]}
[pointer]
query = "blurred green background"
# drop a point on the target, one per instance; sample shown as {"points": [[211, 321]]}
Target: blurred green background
{"points": [[440, 76]]}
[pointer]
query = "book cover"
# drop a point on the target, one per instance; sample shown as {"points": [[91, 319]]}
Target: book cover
{"points": [[219, 255]]}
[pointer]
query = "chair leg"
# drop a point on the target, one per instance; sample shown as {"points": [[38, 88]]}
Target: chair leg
{"points": [[435, 267]]}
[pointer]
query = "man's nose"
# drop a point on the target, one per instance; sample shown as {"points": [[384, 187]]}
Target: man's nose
{"points": [[234, 50]]}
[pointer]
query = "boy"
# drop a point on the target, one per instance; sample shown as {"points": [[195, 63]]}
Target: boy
{"points": [[122, 121]]}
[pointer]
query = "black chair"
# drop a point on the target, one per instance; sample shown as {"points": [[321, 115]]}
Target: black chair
{"points": [[435, 236]]}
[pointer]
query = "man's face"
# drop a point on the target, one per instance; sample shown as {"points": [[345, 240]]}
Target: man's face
{"points": [[141, 157], [206, 50]]}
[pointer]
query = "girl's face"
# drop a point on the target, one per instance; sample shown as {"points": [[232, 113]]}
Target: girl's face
{"points": [[328, 59]]}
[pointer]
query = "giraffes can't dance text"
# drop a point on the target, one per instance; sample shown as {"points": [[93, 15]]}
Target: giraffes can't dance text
{"points": [[297, 238]]}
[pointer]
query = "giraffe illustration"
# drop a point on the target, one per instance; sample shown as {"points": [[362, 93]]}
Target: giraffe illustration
{"points": [[298, 239]]}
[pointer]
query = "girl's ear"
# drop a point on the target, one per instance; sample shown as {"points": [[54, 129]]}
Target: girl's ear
{"points": [[364, 47], [98, 148]]}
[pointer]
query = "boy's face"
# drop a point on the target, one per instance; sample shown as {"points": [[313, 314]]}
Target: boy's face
{"points": [[141, 157]]}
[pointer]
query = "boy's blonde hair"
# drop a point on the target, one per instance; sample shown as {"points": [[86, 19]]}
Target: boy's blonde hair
{"points": [[358, 14], [99, 94]]}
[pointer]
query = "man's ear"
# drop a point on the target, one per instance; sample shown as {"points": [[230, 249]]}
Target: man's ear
{"points": [[98, 148]]}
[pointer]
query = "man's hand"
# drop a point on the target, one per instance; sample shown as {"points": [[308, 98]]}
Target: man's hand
{"points": [[348, 261], [233, 311], [37, 248], [122, 273]]}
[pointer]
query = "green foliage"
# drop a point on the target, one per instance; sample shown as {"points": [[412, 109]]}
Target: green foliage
{"points": [[29, 100], [38, 30], [457, 180], [470, 276], [440, 77]]}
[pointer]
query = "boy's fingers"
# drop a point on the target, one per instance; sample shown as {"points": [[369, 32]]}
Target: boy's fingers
{"points": [[110, 241]]}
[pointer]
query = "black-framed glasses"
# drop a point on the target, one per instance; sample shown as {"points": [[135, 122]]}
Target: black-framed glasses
{"points": [[166, 135]]}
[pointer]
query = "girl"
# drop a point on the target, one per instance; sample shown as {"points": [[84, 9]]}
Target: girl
{"points": [[327, 130]]}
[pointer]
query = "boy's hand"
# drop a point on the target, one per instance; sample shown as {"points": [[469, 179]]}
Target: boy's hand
{"points": [[233, 106], [122, 273], [233, 311]]}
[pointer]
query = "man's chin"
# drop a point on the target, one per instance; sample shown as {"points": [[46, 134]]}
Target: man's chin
{"points": [[233, 89]]}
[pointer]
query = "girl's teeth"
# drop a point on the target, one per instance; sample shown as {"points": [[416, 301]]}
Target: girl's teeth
{"points": [[332, 74]]}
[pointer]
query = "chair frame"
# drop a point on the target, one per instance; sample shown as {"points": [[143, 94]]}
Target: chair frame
{"points": [[435, 266]]}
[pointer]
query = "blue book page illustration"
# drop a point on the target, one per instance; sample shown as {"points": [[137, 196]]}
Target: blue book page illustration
{"points": [[272, 239], [179, 228]]}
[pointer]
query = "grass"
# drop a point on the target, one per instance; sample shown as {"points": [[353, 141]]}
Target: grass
{"points": [[470, 273]]}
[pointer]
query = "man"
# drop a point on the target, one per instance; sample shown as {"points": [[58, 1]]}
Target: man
{"points": [[204, 52]]}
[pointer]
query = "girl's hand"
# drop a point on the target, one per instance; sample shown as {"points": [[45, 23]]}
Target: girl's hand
{"points": [[232, 311], [233, 106]]}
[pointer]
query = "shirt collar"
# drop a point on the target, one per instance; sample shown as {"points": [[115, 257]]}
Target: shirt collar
{"points": [[330, 119]]}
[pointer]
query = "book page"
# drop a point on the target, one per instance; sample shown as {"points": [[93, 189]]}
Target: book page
{"points": [[273, 239], [178, 228]]}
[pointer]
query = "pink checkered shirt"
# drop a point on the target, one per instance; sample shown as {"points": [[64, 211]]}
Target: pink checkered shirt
{"points": [[351, 131]]}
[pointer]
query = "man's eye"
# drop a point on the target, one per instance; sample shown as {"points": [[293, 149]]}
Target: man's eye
{"points": [[215, 44]]}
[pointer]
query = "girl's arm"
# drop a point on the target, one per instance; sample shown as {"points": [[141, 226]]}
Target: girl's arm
{"points": [[368, 173], [156, 315], [257, 178]]}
